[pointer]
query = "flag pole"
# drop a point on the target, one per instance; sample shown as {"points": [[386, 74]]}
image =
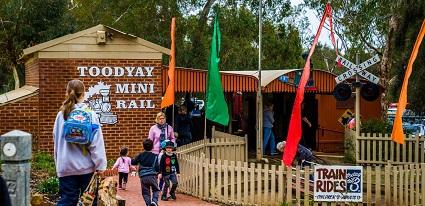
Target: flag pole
{"points": [[259, 99]]}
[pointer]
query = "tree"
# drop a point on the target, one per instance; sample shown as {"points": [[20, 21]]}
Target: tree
{"points": [[25, 23], [411, 17], [363, 26]]}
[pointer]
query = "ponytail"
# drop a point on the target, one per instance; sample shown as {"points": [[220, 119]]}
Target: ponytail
{"points": [[74, 90]]}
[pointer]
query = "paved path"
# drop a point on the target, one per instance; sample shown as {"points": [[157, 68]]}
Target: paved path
{"points": [[133, 196]]}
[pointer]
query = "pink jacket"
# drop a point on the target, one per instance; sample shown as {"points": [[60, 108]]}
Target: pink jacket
{"points": [[123, 164], [154, 134]]}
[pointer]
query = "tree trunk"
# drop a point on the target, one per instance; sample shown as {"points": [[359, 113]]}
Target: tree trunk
{"points": [[386, 64], [15, 76]]}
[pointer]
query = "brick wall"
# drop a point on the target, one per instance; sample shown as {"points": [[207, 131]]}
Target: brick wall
{"points": [[32, 74], [22, 115], [133, 123]]}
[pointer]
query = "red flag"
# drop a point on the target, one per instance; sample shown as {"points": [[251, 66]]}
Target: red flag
{"points": [[169, 93], [294, 132], [397, 134]]}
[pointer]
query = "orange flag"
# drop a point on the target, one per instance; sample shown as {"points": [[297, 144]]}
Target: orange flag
{"points": [[169, 93], [398, 134]]}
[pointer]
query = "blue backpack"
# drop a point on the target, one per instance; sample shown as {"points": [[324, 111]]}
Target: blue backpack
{"points": [[78, 128]]}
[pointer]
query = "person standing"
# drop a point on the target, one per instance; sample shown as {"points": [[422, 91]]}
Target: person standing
{"points": [[75, 167], [168, 167], [188, 103], [304, 124], [268, 121], [148, 170], [183, 125], [123, 164], [160, 132]]}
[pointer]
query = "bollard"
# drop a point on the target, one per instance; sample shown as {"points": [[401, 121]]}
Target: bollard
{"points": [[16, 152]]}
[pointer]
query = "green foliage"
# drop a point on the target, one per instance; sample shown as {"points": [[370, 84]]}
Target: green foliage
{"points": [[110, 163], [26, 23], [376, 125], [42, 161], [350, 150], [48, 186], [285, 204], [31, 22], [412, 16]]}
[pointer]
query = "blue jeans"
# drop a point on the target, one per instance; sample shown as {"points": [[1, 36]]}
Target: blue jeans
{"points": [[148, 183], [268, 135], [305, 164], [185, 138], [71, 187], [167, 179]]}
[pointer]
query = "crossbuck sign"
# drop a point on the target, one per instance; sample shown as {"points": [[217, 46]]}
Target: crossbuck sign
{"points": [[357, 69]]}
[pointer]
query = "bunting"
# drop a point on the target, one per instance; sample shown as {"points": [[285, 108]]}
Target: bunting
{"points": [[216, 106], [398, 134], [169, 93], [294, 131]]}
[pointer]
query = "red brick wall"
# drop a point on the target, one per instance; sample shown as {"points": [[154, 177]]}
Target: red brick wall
{"points": [[22, 115], [31, 74], [133, 124]]}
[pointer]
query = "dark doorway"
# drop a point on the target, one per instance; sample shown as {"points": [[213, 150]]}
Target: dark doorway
{"points": [[311, 108]]}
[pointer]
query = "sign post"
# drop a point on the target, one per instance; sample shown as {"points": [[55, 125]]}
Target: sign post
{"points": [[358, 69], [357, 109]]}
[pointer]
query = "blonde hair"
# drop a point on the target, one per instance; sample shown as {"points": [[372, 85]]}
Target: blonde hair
{"points": [[158, 116], [74, 90]]}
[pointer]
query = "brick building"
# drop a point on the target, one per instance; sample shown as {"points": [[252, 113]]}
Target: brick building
{"points": [[125, 79], [122, 75]]}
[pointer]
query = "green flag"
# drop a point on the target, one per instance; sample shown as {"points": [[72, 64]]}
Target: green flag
{"points": [[216, 107]]}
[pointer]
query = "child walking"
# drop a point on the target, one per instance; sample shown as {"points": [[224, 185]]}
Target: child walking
{"points": [[148, 170], [168, 167], [123, 164]]}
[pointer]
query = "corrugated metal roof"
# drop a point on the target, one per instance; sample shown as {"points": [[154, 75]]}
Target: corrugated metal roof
{"points": [[194, 80], [18, 94]]}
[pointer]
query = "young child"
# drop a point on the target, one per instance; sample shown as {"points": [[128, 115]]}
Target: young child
{"points": [[123, 164], [148, 170], [169, 166]]}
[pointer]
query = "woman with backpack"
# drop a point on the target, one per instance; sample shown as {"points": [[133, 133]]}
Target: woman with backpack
{"points": [[77, 163]]}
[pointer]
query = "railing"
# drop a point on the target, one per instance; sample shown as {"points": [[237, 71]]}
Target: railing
{"points": [[380, 149], [221, 146], [243, 183]]}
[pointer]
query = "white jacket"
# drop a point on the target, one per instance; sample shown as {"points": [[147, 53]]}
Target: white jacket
{"points": [[69, 157]]}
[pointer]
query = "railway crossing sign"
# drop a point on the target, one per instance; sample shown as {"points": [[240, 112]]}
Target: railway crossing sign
{"points": [[357, 69]]}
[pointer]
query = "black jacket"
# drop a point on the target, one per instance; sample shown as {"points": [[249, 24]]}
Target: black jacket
{"points": [[148, 163]]}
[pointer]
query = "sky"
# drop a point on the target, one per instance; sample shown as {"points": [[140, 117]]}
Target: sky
{"points": [[315, 22]]}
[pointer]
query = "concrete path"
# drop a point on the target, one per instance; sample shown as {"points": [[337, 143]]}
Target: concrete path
{"points": [[133, 196]]}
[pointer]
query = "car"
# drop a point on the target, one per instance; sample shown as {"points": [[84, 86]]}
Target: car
{"points": [[198, 102], [413, 128]]}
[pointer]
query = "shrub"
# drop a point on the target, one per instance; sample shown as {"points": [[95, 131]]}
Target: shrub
{"points": [[376, 125], [44, 162], [48, 186], [110, 163]]}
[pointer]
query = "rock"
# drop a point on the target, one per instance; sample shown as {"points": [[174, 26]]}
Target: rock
{"points": [[108, 193], [38, 200]]}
